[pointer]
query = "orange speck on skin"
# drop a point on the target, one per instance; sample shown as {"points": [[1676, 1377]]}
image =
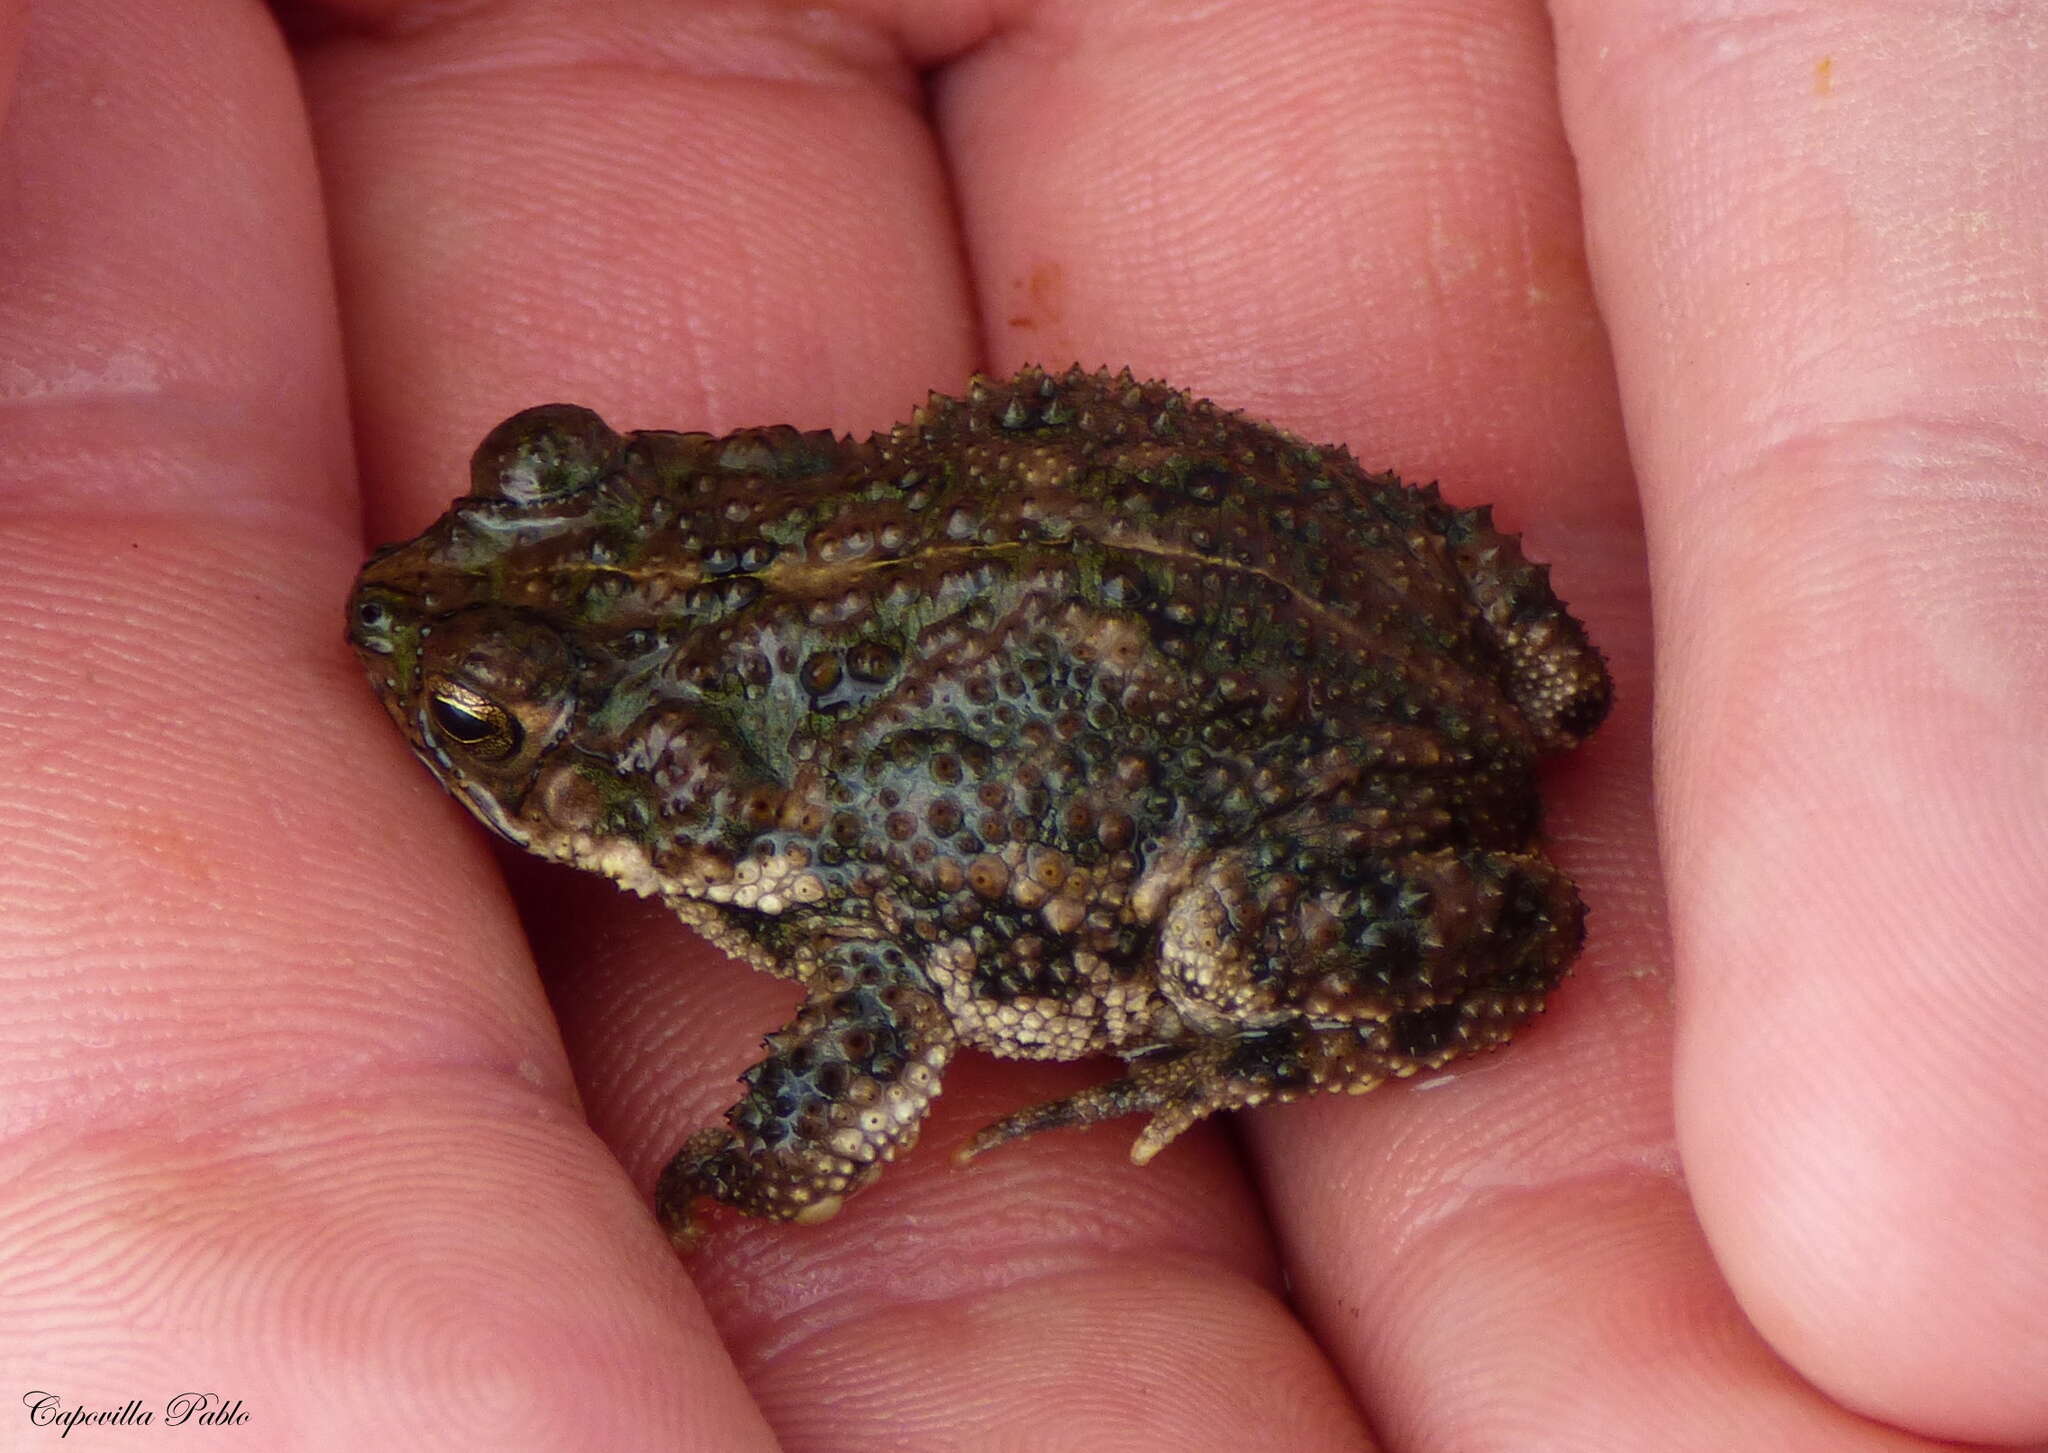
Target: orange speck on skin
{"points": [[1044, 291]]}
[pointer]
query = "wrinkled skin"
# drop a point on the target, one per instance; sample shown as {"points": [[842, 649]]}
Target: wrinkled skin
{"points": [[1074, 716]]}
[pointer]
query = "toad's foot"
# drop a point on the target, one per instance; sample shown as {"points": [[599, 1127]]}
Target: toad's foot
{"points": [[841, 1093], [1177, 1087]]}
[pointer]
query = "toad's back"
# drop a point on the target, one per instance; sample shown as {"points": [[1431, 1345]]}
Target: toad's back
{"points": [[1133, 495]]}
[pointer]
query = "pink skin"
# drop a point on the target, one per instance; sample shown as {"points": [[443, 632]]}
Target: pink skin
{"points": [[288, 1114]]}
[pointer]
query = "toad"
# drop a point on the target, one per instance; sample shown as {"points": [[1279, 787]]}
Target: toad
{"points": [[1075, 716]]}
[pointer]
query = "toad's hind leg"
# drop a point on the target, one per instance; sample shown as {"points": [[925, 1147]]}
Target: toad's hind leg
{"points": [[1312, 971], [842, 1092]]}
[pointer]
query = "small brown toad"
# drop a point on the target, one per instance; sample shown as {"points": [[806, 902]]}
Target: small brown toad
{"points": [[1073, 716]]}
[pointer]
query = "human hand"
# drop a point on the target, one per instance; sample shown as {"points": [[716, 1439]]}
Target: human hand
{"points": [[290, 1115]]}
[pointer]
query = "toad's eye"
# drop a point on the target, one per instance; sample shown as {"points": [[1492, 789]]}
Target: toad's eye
{"points": [[474, 722]]}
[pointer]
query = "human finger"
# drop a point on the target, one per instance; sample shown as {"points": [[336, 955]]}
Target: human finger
{"points": [[1397, 265], [268, 1121], [1816, 231], [701, 221]]}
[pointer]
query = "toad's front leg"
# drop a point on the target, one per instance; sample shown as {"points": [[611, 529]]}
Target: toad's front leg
{"points": [[843, 1090]]}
